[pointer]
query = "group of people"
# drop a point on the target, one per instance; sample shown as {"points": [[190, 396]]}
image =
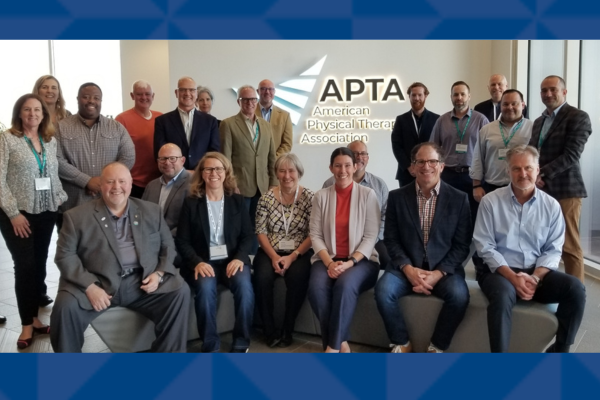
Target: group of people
{"points": [[149, 202]]}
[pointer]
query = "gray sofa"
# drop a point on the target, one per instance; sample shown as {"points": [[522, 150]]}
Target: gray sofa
{"points": [[534, 325]]}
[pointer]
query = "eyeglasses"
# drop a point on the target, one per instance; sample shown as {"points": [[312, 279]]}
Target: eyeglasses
{"points": [[218, 170], [266, 89], [421, 163], [185, 90], [249, 99], [361, 154], [171, 159]]}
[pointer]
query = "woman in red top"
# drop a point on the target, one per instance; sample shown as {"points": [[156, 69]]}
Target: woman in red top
{"points": [[344, 225]]}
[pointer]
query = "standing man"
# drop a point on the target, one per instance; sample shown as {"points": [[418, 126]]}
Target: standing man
{"points": [[139, 122], [491, 108], [195, 132], [560, 135], [410, 129], [248, 142], [172, 187], [428, 234], [456, 132], [87, 141], [281, 122], [367, 179], [488, 170], [519, 234], [117, 251]]}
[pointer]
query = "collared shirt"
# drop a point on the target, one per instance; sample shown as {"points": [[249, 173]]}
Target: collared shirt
{"points": [[519, 236], [445, 134], [187, 118], [165, 189], [427, 210], [83, 151], [381, 191], [487, 164], [252, 129], [548, 121], [122, 229], [266, 112]]}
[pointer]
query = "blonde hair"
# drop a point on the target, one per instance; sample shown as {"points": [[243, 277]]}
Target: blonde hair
{"points": [[61, 112], [198, 185]]}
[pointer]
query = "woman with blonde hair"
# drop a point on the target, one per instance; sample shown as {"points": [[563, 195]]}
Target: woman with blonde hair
{"points": [[48, 88]]}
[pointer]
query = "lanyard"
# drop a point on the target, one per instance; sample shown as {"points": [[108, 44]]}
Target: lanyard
{"points": [[461, 136], [286, 224], [514, 130], [216, 228], [41, 164], [416, 127]]}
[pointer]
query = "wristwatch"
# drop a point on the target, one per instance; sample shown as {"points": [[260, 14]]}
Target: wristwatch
{"points": [[354, 260], [160, 275], [297, 253]]}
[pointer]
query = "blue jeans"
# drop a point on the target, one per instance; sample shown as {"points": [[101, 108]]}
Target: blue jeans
{"points": [[205, 304], [451, 288]]}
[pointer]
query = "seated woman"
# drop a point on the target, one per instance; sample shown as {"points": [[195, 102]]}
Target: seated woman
{"points": [[214, 237], [344, 225], [282, 218]]}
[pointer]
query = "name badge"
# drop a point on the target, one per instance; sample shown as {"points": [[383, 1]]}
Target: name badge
{"points": [[42, 183], [218, 252], [461, 148], [287, 245], [502, 154]]}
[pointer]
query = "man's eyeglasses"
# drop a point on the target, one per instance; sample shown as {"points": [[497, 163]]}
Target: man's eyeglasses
{"points": [[171, 159], [361, 154], [185, 90], [266, 89], [249, 99], [421, 163], [218, 170]]}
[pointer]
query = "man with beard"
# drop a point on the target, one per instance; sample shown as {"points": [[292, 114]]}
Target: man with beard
{"points": [[87, 141], [491, 108], [456, 132], [410, 129], [488, 170], [367, 179], [519, 234]]}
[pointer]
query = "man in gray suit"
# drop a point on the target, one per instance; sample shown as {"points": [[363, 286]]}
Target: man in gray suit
{"points": [[172, 187], [117, 251]]}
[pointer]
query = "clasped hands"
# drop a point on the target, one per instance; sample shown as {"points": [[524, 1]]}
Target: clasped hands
{"points": [[282, 263], [336, 268], [525, 285], [422, 280]]}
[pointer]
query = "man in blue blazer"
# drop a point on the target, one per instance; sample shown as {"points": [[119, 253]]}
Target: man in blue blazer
{"points": [[427, 234], [410, 129], [195, 132]]}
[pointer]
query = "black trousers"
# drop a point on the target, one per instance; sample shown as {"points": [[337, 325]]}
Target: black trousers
{"points": [[556, 287], [169, 312], [296, 281], [29, 256]]}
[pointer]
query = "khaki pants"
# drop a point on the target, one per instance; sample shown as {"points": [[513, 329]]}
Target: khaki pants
{"points": [[572, 254]]}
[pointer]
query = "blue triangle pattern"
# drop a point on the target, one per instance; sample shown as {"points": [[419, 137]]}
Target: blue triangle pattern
{"points": [[306, 9], [356, 371], [574, 8], [110, 29], [574, 28], [466, 9], [163, 5], [195, 381], [22, 385], [27, 9], [113, 9], [312, 28], [176, 33], [225, 8], [485, 28], [542, 32], [393, 28], [225, 372], [544, 381], [385, 8], [52, 27], [216, 28], [578, 382]]}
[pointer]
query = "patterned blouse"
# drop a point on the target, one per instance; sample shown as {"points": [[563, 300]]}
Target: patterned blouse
{"points": [[18, 171], [269, 220]]}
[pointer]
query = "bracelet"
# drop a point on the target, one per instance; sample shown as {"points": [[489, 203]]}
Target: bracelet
{"points": [[537, 278], [297, 253], [476, 186], [329, 264]]}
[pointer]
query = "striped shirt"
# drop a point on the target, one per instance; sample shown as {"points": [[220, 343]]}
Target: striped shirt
{"points": [[427, 210]]}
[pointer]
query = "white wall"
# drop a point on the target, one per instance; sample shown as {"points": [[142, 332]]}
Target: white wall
{"points": [[222, 65]]}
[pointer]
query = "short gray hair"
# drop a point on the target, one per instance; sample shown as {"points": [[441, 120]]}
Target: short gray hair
{"points": [[243, 87], [522, 149], [291, 159], [204, 89]]}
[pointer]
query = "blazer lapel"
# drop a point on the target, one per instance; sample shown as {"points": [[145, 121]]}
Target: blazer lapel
{"points": [[243, 128], [557, 120], [412, 207], [103, 218], [137, 228], [178, 124], [181, 180], [203, 213], [440, 209]]}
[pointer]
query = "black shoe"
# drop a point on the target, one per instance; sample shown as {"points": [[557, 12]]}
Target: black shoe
{"points": [[2, 319], [273, 341], [286, 340], [45, 300]]}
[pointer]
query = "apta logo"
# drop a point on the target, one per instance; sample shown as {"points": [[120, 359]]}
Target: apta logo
{"points": [[290, 96]]}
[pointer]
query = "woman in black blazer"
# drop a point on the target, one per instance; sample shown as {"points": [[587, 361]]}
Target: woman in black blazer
{"points": [[214, 237]]}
